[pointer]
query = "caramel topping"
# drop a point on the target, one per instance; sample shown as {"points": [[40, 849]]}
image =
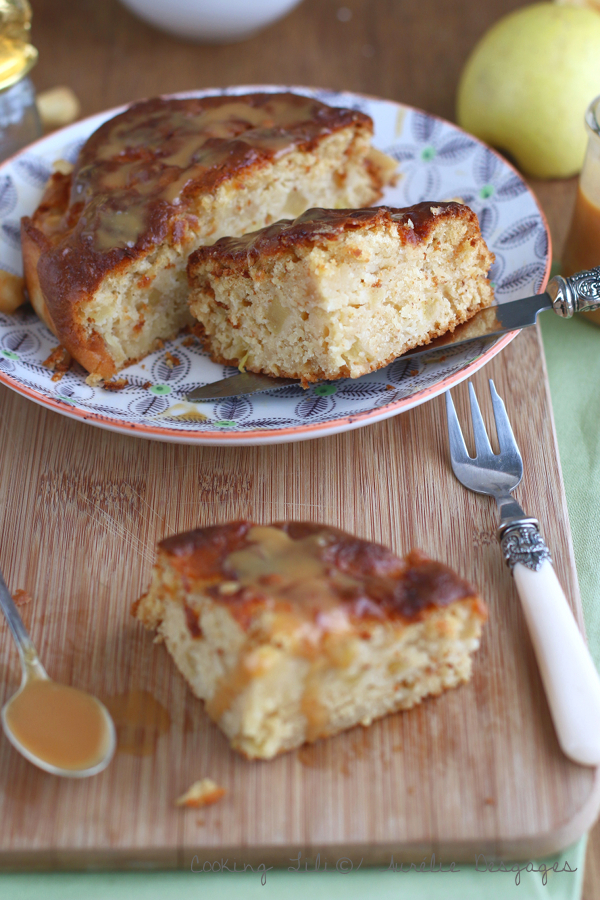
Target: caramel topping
{"points": [[140, 720], [139, 165], [320, 574], [61, 725], [287, 569], [582, 250]]}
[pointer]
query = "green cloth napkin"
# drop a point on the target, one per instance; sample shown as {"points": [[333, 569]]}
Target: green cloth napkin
{"points": [[573, 357], [572, 349]]}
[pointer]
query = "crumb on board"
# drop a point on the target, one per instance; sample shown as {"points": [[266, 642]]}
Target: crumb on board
{"points": [[489, 801], [171, 361], [60, 361], [21, 597], [117, 385], [201, 793]]}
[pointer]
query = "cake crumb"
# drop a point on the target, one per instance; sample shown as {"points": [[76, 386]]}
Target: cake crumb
{"points": [[63, 166], [117, 385], [201, 793], [171, 361], [12, 292], [60, 361], [21, 597]]}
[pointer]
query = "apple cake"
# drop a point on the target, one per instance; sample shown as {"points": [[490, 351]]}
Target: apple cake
{"points": [[339, 293], [295, 631], [105, 253]]}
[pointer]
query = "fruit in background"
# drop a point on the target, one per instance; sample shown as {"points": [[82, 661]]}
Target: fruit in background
{"points": [[527, 84], [590, 4]]}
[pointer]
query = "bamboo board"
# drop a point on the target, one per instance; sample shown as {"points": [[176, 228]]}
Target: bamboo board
{"points": [[477, 770]]}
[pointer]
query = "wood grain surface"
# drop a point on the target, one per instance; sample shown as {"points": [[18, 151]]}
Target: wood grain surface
{"points": [[476, 770]]}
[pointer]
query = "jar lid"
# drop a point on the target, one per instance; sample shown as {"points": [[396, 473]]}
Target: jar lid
{"points": [[17, 56]]}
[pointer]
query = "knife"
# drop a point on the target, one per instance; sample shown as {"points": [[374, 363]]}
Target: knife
{"points": [[566, 296]]}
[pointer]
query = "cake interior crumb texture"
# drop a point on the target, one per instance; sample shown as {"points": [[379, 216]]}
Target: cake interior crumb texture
{"points": [[295, 632], [340, 293]]}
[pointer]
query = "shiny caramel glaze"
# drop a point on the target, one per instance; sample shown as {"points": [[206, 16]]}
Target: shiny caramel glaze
{"points": [[139, 719], [138, 175], [413, 223], [315, 567], [61, 725]]}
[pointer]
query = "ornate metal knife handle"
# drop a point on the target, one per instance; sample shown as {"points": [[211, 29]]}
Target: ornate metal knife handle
{"points": [[523, 543], [578, 293]]}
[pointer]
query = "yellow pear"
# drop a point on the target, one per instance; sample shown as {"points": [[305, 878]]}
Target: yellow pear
{"points": [[527, 84]]}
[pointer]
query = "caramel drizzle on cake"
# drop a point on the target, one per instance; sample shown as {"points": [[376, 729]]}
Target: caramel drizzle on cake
{"points": [[311, 569], [135, 168]]}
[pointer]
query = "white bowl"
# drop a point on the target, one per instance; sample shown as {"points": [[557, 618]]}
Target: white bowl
{"points": [[210, 20]]}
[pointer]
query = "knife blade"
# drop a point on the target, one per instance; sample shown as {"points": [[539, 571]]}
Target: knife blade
{"points": [[564, 295]]}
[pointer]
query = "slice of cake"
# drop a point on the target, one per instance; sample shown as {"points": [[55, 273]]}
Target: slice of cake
{"points": [[105, 252], [295, 631], [338, 293]]}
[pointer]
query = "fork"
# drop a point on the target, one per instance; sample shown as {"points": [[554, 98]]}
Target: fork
{"points": [[568, 673]]}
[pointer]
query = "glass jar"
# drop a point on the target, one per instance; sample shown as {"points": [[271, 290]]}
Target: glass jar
{"points": [[582, 249], [19, 118]]}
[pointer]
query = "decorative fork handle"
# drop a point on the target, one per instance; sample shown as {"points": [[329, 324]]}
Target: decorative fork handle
{"points": [[570, 678], [578, 293]]}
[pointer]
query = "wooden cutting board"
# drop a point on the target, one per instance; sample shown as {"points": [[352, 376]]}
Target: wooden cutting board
{"points": [[477, 770]]}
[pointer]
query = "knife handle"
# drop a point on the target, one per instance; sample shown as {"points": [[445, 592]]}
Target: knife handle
{"points": [[568, 673], [578, 293]]}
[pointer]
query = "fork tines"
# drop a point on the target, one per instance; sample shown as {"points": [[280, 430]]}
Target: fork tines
{"points": [[506, 438]]}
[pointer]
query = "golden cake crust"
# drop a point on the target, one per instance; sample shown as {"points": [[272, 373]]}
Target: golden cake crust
{"points": [[385, 586], [414, 225]]}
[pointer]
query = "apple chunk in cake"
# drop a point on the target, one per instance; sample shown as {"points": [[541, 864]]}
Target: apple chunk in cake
{"points": [[339, 293], [296, 631]]}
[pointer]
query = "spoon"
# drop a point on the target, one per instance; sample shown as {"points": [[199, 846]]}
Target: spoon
{"points": [[58, 728]]}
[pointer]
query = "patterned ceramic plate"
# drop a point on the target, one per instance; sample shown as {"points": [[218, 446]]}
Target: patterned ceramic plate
{"points": [[437, 161]]}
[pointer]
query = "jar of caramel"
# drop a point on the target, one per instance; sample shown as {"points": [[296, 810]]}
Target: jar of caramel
{"points": [[582, 249], [19, 119]]}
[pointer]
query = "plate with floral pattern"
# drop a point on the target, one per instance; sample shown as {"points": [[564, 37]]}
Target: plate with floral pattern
{"points": [[437, 161]]}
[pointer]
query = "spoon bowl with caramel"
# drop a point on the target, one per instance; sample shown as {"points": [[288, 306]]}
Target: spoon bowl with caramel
{"points": [[58, 728]]}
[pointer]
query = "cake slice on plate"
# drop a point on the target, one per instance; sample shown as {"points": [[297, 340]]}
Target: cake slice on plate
{"points": [[105, 252], [296, 631], [339, 293]]}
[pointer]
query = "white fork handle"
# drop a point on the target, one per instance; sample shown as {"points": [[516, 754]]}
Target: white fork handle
{"points": [[569, 675]]}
